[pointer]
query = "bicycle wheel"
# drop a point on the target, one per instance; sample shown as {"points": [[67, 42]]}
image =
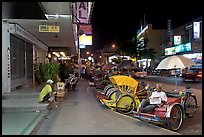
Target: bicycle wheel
{"points": [[110, 91], [125, 104], [176, 118], [109, 86], [190, 106]]}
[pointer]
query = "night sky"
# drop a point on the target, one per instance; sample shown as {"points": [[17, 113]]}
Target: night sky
{"points": [[113, 22]]}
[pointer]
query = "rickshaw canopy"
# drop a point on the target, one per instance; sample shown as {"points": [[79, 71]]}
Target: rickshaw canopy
{"points": [[124, 82]]}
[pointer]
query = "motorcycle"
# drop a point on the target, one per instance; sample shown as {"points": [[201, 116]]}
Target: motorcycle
{"points": [[71, 82]]}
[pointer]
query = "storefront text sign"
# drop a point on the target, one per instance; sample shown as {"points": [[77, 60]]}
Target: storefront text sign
{"points": [[47, 28], [9, 64], [82, 12]]}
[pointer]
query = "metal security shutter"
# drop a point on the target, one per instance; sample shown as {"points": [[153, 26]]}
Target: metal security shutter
{"points": [[17, 57], [29, 60]]}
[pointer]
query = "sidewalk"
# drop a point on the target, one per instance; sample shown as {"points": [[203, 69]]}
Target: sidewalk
{"points": [[21, 112]]}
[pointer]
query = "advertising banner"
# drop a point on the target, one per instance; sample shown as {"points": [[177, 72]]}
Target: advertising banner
{"points": [[169, 31], [82, 12], [85, 40], [183, 47], [196, 30], [170, 51], [87, 29]]}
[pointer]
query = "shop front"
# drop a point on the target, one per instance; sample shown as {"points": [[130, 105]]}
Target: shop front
{"points": [[20, 51]]}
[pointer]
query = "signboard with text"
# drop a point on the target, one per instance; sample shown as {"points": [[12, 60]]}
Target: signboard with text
{"points": [[86, 29], [48, 28], [196, 30], [9, 63], [183, 47], [169, 32], [85, 40], [170, 51], [82, 12]]}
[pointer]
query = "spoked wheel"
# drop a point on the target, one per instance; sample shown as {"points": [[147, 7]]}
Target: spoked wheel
{"points": [[190, 106], [110, 91], [107, 88], [176, 118], [125, 104]]}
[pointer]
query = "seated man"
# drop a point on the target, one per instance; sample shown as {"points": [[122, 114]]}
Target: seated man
{"points": [[45, 93], [156, 99]]}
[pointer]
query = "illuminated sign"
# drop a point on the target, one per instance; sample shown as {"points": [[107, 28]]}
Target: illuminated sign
{"points": [[48, 28], [82, 46], [196, 30], [177, 40], [86, 28], [170, 51], [9, 63], [169, 33], [85, 40], [82, 12], [183, 47]]}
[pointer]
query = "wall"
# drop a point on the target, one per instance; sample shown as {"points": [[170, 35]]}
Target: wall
{"points": [[155, 38], [6, 82]]}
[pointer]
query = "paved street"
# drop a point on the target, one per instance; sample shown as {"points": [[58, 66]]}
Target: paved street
{"points": [[171, 80], [80, 113]]}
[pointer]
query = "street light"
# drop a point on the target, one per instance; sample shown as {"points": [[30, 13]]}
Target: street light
{"points": [[113, 46]]}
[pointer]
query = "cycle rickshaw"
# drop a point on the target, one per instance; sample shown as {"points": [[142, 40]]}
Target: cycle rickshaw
{"points": [[179, 106], [125, 95]]}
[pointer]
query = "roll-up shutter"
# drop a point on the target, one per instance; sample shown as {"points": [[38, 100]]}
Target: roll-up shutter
{"points": [[29, 60], [17, 57]]}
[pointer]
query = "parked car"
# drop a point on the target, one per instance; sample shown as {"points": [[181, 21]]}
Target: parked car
{"points": [[193, 74], [156, 72], [177, 71], [171, 72], [138, 73]]}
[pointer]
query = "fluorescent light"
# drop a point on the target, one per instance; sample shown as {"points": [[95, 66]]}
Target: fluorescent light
{"points": [[57, 16], [65, 16], [63, 54]]}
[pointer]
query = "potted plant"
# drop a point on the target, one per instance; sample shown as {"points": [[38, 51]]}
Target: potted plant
{"points": [[50, 71]]}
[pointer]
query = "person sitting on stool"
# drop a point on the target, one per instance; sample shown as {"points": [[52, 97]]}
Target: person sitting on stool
{"points": [[156, 99], [45, 93]]}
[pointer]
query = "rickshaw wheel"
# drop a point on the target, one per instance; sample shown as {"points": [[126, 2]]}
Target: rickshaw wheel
{"points": [[110, 92], [176, 118], [190, 106], [125, 104], [107, 88]]}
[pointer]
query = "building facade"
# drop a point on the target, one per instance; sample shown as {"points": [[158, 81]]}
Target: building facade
{"points": [[149, 38], [186, 40], [20, 51]]}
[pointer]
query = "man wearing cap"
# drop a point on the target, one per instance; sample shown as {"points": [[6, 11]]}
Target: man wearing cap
{"points": [[45, 93]]}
